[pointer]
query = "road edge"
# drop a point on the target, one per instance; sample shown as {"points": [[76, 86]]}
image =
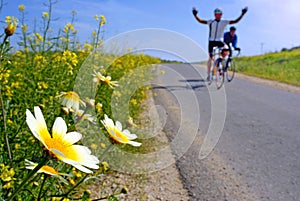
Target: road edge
{"points": [[272, 83]]}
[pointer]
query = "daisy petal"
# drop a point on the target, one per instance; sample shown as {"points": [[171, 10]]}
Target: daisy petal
{"points": [[119, 125], [59, 128], [130, 136], [72, 137], [88, 160], [32, 124], [37, 126], [133, 143], [39, 116], [81, 168]]}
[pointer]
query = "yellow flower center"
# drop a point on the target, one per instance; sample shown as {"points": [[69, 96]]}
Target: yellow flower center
{"points": [[119, 136], [73, 96], [62, 149]]}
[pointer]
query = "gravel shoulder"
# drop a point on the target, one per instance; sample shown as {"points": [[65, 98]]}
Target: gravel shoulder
{"points": [[164, 184]]}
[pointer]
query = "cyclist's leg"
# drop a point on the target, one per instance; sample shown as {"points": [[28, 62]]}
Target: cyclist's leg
{"points": [[229, 56], [228, 59], [209, 62], [225, 50]]}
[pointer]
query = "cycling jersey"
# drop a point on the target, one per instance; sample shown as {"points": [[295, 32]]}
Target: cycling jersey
{"points": [[216, 29], [228, 38]]}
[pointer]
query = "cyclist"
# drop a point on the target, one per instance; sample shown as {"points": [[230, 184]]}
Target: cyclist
{"points": [[230, 37], [216, 30]]}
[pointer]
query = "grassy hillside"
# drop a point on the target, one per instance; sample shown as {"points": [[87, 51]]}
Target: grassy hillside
{"points": [[281, 66]]}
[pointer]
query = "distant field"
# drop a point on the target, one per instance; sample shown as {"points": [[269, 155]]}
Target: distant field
{"points": [[281, 66]]}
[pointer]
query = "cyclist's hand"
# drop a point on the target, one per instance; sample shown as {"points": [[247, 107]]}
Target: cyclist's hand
{"points": [[237, 49], [195, 12], [244, 10]]}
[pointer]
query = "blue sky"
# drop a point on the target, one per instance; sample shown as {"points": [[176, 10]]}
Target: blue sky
{"points": [[268, 26]]}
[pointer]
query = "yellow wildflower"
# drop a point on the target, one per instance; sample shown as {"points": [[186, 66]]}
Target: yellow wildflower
{"points": [[133, 101], [60, 199], [69, 27], [102, 20], [93, 146], [42, 85], [7, 176], [11, 25], [38, 38], [130, 123], [21, 7], [105, 165], [96, 17], [45, 15], [87, 47], [78, 174], [17, 146], [24, 28], [71, 181], [8, 185], [99, 107]]}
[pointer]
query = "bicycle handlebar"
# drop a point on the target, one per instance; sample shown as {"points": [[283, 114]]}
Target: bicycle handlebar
{"points": [[238, 51]]}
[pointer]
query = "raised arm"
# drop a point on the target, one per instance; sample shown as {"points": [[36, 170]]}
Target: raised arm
{"points": [[244, 10], [195, 12]]}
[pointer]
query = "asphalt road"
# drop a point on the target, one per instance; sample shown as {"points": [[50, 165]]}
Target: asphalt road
{"points": [[257, 154]]}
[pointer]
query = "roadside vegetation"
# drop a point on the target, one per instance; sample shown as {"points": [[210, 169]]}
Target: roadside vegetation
{"points": [[281, 66], [50, 146]]}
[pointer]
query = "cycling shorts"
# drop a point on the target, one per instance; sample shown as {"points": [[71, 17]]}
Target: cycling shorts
{"points": [[212, 44]]}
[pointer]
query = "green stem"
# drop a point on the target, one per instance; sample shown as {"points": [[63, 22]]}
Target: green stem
{"points": [[41, 164], [47, 27], [21, 126], [4, 124], [75, 186], [105, 152], [2, 47], [42, 186], [97, 38]]}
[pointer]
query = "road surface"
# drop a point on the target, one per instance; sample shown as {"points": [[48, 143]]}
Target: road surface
{"points": [[257, 155]]}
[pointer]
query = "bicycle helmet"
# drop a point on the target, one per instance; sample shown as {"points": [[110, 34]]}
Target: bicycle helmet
{"points": [[218, 11]]}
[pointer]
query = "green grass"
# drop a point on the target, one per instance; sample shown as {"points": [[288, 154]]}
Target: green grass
{"points": [[280, 66]]}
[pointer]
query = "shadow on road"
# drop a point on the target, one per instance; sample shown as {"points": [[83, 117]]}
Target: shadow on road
{"points": [[191, 84]]}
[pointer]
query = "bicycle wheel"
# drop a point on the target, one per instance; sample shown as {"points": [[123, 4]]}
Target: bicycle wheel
{"points": [[219, 76], [230, 71]]}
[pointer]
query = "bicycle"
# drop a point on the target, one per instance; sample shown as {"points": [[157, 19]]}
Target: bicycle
{"points": [[222, 67], [217, 70], [230, 66]]}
